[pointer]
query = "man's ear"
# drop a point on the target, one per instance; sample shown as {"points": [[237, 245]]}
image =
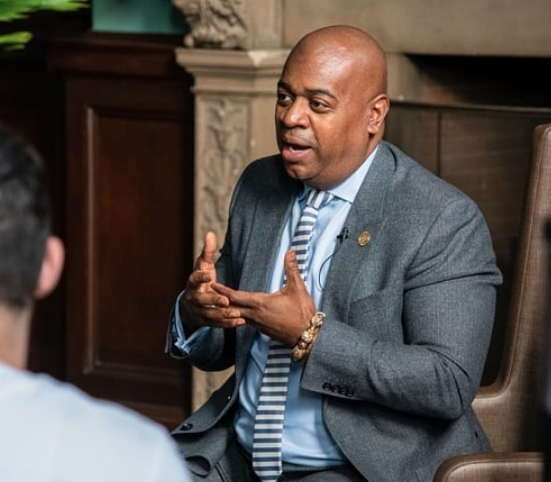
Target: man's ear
{"points": [[379, 107], [52, 267]]}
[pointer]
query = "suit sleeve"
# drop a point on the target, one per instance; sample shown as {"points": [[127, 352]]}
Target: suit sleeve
{"points": [[439, 315]]}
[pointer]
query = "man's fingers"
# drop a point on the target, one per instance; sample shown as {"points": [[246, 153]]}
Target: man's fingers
{"points": [[244, 299], [292, 271], [197, 278], [208, 299], [207, 257], [219, 317]]}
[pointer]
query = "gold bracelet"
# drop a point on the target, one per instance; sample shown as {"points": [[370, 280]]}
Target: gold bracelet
{"points": [[306, 341]]}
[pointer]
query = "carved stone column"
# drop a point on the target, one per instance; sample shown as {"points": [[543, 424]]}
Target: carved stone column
{"points": [[235, 93], [232, 24]]}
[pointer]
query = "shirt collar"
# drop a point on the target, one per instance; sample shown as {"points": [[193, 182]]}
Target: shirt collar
{"points": [[348, 189]]}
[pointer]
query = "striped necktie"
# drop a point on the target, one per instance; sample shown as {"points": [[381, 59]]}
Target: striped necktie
{"points": [[268, 425]]}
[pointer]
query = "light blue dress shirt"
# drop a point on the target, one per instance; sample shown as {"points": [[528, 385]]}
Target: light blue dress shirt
{"points": [[306, 440]]}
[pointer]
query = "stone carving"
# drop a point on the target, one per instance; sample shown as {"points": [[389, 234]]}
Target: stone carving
{"points": [[219, 164], [221, 161], [215, 23]]}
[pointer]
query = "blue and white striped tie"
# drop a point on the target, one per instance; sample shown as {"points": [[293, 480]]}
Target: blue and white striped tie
{"points": [[270, 411]]}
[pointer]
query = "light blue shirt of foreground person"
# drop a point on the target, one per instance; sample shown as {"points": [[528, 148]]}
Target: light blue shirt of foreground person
{"points": [[306, 441], [54, 432]]}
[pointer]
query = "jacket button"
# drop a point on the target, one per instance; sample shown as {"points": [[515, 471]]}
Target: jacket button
{"points": [[327, 387], [186, 426]]}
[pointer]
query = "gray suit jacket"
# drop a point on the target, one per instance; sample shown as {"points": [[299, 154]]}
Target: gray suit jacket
{"points": [[409, 318]]}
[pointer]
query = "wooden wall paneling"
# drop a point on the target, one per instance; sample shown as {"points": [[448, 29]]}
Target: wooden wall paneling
{"points": [[129, 224], [416, 130], [486, 155]]}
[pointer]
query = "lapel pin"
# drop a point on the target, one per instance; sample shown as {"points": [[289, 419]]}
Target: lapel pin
{"points": [[364, 238]]}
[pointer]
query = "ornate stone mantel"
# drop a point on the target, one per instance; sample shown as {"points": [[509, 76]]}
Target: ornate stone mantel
{"points": [[235, 93]]}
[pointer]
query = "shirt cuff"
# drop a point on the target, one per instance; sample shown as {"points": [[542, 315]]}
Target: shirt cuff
{"points": [[180, 341]]}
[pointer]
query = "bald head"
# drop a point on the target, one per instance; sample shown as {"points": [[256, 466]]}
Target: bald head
{"points": [[331, 105], [344, 43]]}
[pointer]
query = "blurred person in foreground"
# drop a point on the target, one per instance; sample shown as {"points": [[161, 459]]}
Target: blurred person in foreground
{"points": [[383, 299], [52, 431]]}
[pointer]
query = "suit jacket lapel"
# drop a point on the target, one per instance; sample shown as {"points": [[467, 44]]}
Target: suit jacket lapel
{"points": [[366, 217], [268, 221]]}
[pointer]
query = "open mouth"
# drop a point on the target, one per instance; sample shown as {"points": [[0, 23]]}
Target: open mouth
{"points": [[294, 152], [296, 147]]}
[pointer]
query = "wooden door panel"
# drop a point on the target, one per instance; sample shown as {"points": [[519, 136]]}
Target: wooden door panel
{"points": [[129, 227]]}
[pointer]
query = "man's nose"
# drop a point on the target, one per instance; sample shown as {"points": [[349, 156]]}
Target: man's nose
{"points": [[295, 114]]}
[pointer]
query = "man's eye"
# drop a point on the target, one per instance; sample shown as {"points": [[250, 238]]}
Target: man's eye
{"points": [[283, 97], [318, 105]]}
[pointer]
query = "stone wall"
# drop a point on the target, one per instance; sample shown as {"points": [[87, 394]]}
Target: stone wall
{"points": [[470, 27]]}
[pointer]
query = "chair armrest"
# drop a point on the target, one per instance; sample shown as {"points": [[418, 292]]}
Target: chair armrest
{"points": [[492, 467]]}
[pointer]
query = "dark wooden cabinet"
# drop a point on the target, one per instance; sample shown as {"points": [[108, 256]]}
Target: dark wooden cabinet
{"points": [[128, 216]]}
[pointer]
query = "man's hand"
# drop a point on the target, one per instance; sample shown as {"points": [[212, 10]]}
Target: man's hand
{"points": [[201, 305], [283, 315]]}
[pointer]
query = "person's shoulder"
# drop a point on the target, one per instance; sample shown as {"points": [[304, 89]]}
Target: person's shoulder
{"points": [[417, 182], [124, 443]]}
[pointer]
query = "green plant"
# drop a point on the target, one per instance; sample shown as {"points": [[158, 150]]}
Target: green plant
{"points": [[11, 10]]}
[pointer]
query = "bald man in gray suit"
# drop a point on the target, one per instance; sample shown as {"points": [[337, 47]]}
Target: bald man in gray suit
{"points": [[401, 270]]}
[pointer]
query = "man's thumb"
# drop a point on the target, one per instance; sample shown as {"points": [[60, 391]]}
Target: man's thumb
{"points": [[292, 272], [209, 250]]}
